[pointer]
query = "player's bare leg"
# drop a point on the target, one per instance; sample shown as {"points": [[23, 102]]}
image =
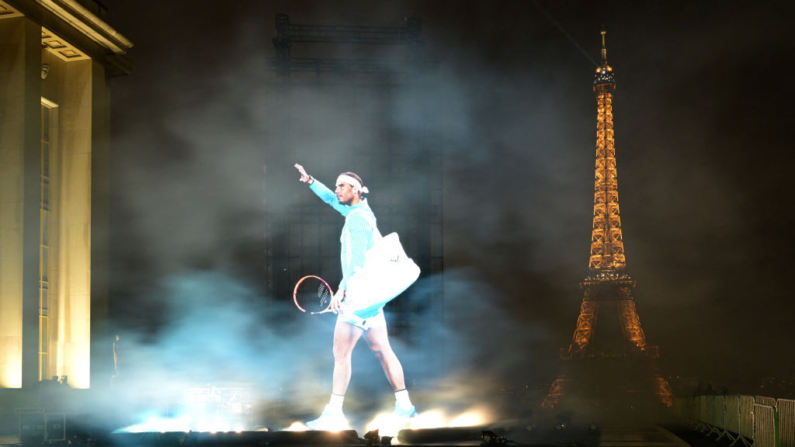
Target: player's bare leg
{"points": [[345, 337], [377, 338]]}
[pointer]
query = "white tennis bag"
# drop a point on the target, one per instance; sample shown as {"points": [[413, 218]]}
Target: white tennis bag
{"points": [[387, 272]]}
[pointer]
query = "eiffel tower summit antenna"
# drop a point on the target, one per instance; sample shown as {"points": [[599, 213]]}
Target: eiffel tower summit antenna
{"points": [[607, 241], [609, 361]]}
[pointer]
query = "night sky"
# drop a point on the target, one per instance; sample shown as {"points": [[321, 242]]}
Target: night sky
{"points": [[703, 138]]}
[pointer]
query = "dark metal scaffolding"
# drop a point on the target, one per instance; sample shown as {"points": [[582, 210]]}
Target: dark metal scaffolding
{"points": [[403, 168], [289, 33]]}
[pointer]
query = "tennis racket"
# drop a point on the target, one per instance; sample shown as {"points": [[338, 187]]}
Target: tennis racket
{"points": [[313, 295]]}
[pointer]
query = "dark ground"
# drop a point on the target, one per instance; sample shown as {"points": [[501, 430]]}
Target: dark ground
{"points": [[695, 438]]}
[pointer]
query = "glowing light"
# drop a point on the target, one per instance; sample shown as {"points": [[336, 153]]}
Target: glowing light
{"points": [[183, 423], [216, 425], [429, 419], [386, 424], [297, 426], [11, 319], [11, 362], [377, 422], [471, 418], [157, 424]]}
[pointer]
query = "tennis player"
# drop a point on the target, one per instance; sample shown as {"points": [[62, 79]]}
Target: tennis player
{"points": [[358, 235]]}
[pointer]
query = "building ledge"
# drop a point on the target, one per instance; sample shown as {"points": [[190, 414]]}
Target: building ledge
{"points": [[89, 24], [76, 26]]}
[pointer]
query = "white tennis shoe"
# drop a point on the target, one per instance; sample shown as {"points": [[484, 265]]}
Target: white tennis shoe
{"points": [[329, 420], [404, 415]]}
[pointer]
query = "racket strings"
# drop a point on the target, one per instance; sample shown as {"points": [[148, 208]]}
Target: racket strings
{"points": [[323, 294], [313, 295]]}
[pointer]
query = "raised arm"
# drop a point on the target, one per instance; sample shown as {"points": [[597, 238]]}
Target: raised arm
{"points": [[322, 191], [306, 178]]}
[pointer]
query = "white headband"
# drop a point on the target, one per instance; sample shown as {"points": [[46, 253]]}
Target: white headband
{"points": [[353, 182]]}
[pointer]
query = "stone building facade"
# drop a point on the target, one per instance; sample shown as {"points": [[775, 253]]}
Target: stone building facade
{"points": [[56, 61]]}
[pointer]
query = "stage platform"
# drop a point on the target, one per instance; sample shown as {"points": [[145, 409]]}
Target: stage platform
{"points": [[610, 436]]}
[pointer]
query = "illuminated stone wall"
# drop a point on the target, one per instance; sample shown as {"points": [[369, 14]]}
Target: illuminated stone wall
{"points": [[69, 89], [20, 46], [54, 189]]}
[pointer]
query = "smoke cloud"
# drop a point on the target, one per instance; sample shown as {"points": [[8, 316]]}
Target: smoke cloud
{"points": [[701, 181]]}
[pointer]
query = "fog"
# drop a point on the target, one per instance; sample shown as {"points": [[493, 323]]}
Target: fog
{"points": [[699, 118]]}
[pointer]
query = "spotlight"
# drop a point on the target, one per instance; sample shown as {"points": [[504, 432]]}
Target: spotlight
{"points": [[530, 427], [491, 439], [371, 438], [563, 420], [45, 69], [593, 427]]}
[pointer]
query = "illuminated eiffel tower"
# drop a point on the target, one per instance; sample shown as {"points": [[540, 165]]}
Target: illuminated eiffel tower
{"points": [[608, 359]]}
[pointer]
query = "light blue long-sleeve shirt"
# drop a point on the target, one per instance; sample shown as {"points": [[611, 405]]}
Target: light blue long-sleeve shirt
{"points": [[358, 235]]}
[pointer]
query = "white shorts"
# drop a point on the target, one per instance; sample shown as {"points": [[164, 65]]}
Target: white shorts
{"points": [[363, 324]]}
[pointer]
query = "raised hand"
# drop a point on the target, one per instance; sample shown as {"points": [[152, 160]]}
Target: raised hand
{"points": [[304, 176]]}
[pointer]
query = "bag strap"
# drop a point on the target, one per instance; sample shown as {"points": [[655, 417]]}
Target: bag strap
{"points": [[370, 219]]}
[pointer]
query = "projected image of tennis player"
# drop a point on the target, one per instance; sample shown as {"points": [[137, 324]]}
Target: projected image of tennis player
{"points": [[356, 319]]}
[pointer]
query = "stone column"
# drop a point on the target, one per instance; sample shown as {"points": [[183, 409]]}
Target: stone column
{"points": [[74, 285], [20, 191], [101, 339]]}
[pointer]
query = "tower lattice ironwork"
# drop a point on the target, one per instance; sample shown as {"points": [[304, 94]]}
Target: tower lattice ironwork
{"points": [[608, 354]]}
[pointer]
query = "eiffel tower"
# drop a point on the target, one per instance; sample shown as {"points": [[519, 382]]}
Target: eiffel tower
{"points": [[609, 359]]}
